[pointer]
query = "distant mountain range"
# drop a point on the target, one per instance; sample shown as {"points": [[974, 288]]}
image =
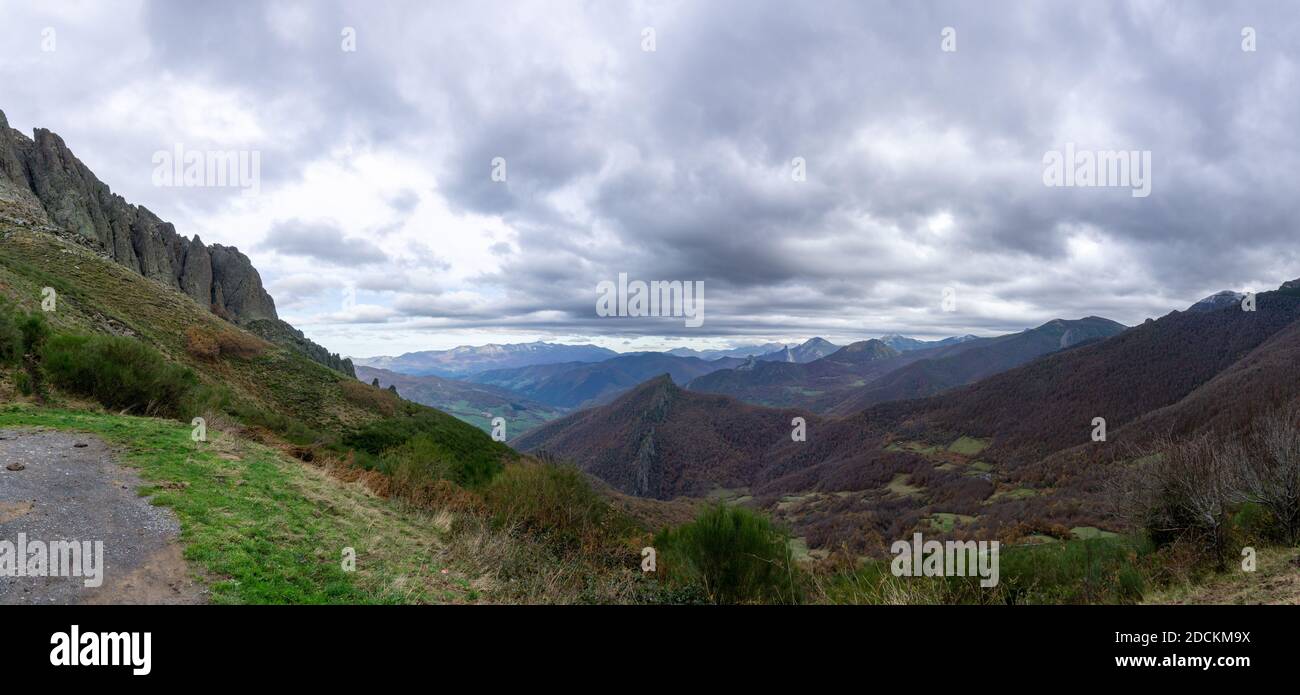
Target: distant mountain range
{"points": [[872, 371], [579, 385], [791, 384], [813, 349], [965, 362], [905, 344], [466, 360], [741, 352], [476, 404]]}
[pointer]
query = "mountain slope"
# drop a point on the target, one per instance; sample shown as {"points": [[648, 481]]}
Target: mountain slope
{"points": [[466, 360], [578, 385], [476, 404], [809, 350], [45, 186], [740, 352], [905, 344], [967, 362], [791, 384], [1012, 447], [661, 441]]}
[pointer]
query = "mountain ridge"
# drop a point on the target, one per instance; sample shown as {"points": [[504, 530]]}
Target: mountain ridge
{"points": [[42, 175]]}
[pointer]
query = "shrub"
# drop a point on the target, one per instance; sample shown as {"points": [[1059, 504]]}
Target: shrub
{"points": [[23, 381], [122, 374], [240, 345], [1270, 470], [735, 554], [208, 345], [468, 446], [558, 504], [423, 457], [11, 337], [201, 344], [1184, 490]]}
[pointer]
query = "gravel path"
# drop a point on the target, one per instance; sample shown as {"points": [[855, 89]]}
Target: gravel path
{"points": [[69, 486]]}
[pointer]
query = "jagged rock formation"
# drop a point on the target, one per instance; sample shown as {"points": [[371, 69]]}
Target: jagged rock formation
{"points": [[42, 175]]}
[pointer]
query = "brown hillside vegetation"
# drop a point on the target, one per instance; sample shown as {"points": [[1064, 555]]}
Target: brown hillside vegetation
{"points": [[985, 458]]}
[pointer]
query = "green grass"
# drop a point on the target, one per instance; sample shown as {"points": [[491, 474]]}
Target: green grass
{"points": [[914, 447], [900, 487], [1019, 493], [1086, 532], [263, 529], [1101, 570], [946, 521], [968, 446]]}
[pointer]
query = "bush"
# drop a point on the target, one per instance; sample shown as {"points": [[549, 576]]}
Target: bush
{"points": [[201, 345], [240, 345], [209, 345], [736, 555], [558, 504], [1185, 490], [1270, 470], [423, 457], [122, 374], [11, 337], [462, 446]]}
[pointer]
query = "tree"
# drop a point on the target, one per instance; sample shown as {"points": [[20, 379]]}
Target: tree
{"points": [[1270, 474]]}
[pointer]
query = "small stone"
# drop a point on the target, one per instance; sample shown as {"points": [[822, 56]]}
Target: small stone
{"points": [[80, 445], [15, 467]]}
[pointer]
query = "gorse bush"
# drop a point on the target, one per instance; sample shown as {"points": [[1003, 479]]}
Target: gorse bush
{"points": [[122, 374], [736, 555]]}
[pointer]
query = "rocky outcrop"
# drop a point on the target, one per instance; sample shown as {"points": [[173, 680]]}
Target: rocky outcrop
{"points": [[236, 282], [41, 173]]}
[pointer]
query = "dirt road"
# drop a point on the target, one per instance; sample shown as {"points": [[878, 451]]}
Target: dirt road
{"points": [[58, 486]]}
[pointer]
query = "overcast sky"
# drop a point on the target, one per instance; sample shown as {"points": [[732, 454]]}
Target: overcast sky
{"points": [[379, 229]]}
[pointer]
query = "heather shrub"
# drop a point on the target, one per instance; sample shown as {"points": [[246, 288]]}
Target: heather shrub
{"points": [[735, 554]]}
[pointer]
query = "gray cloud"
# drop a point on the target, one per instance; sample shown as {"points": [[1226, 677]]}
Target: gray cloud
{"points": [[675, 164], [322, 241]]}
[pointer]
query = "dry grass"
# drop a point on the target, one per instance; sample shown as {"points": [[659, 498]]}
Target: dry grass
{"points": [[209, 344]]}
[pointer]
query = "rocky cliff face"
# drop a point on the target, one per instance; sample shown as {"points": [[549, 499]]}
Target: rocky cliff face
{"points": [[43, 175]]}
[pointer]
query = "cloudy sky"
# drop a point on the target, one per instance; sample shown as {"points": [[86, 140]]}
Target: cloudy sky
{"points": [[661, 140]]}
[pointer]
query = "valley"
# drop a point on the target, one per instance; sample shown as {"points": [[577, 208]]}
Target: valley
{"points": [[312, 453]]}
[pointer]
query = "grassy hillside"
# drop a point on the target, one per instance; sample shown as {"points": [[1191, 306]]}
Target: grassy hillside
{"points": [[96, 295], [301, 460], [261, 528]]}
